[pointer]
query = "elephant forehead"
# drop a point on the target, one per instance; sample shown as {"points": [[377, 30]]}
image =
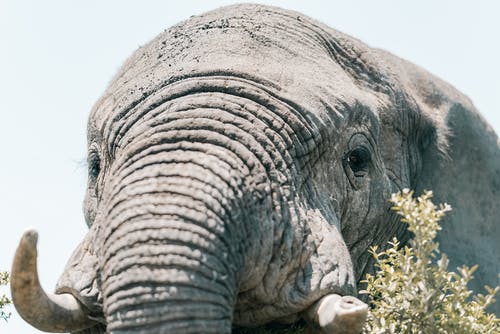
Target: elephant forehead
{"points": [[299, 58]]}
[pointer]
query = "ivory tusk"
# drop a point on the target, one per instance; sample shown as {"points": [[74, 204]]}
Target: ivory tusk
{"points": [[336, 314], [48, 312]]}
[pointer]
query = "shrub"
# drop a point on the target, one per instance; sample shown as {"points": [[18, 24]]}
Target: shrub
{"points": [[4, 300], [413, 291]]}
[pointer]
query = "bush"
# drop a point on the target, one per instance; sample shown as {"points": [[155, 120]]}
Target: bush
{"points": [[413, 291], [4, 300]]}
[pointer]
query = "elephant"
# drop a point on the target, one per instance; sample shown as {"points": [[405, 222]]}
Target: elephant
{"points": [[239, 169]]}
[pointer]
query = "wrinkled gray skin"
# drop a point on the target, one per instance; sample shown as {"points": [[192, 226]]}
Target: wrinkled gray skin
{"points": [[240, 166]]}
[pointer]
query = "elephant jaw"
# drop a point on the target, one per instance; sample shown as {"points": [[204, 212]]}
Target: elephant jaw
{"points": [[45, 311]]}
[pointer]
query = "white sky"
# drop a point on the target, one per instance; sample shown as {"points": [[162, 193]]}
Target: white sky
{"points": [[56, 58]]}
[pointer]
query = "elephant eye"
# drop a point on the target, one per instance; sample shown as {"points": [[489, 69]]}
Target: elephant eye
{"points": [[94, 164], [358, 160]]}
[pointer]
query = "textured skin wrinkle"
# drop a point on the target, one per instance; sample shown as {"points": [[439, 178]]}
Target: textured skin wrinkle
{"points": [[165, 317], [118, 289], [204, 136], [262, 139], [267, 159], [187, 213], [230, 131], [255, 134], [180, 307], [197, 185], [173, 258], [178, 227], [347, 57], [295, 31], [323, 40], [294, 113], [183, 324], [125, 278], [191, 183], [182, 155], [258, 157], [199, 113], [145, 193], [233, 161], [247, 139], [173, 214], [158, 171], [276, 158], [220, 179], [237, 75], [134, 297], [174, 318], [116, 298], [152, 294], [351, 63], [121, 210]]}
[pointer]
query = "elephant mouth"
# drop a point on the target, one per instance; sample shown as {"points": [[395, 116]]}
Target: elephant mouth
{"points": [[69, 310], [92, 309]]}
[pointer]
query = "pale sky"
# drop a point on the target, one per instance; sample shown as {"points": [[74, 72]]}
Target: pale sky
{"points": [[56, 58]]}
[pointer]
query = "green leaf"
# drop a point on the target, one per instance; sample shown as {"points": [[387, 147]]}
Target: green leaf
{"points": [[413, 291]]}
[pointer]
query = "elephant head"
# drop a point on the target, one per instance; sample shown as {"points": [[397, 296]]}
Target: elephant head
{"points": [[240, 166]]}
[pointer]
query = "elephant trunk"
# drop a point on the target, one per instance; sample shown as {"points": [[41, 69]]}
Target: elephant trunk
{"points": [[173, 251], [167, 289], [47, 312], [192, 204]]}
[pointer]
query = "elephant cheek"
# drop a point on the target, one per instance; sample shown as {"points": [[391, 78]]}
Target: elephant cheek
{"points": [[80, 276], [331, 263]]}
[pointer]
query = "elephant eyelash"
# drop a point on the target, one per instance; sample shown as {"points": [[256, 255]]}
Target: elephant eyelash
{"points": [[81, 164]]}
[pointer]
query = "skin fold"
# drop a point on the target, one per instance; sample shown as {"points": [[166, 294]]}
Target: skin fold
{"points": [[240, 166]]}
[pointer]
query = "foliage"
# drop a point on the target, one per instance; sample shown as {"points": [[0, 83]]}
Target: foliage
{"points": [[413, 291], [4, 300]]}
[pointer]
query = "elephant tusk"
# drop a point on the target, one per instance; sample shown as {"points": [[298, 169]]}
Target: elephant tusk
{"points": [[338, 314], [48, 312]]}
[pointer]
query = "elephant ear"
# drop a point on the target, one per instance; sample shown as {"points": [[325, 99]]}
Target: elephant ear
{"points": [[460, 163]]}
